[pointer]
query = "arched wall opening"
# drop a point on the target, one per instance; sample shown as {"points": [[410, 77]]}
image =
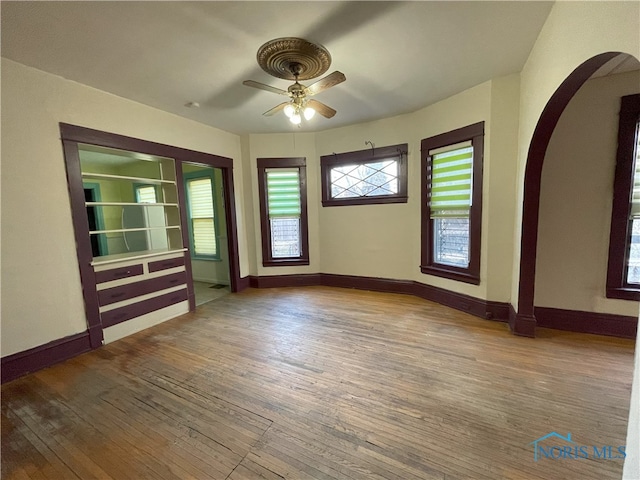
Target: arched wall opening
{"points": [[525, 321]]}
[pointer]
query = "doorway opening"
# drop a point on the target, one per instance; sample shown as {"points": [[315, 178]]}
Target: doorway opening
{"points": [[207, 226]]}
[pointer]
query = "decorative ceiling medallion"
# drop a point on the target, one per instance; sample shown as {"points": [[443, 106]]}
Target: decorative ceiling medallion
{"points": [[277, 57]]}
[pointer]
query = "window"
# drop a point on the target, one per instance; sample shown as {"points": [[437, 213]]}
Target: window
{"points": [[146, 194], [452, 203], [201, 216], [623, 273], [376, 175], [283, 211]]}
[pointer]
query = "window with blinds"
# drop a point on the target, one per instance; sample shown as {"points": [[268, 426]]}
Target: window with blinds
{"points": [[284, 211], [146, 194], [633, 262], [451, 181], [451, 218], [201, 217]]}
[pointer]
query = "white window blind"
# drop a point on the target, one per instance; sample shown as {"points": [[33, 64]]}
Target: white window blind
{"points": [[201, 214], [451, 182], [284, 210]]}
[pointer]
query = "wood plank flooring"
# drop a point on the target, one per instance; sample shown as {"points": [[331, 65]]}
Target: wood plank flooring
{"points": [[321, 383]]}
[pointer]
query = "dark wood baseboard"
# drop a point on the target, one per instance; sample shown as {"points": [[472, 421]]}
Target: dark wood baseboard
{"points": [[276, 281], [587, 322], [481, 308], [523, 325], [37, 358], [243, 283]]}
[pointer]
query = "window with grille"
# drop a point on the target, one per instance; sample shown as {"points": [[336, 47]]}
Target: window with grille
{"points": [[201, 215], [623, 272], [376, 175], [452, 203], [283, 211]]}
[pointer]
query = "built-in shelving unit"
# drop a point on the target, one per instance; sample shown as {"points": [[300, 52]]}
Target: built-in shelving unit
{"points": [[132, 204]]}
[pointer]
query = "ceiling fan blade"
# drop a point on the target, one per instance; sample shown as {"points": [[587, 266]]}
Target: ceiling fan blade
{"points": [[321, 108], [262, 86], [275, 109], [327, 82]]}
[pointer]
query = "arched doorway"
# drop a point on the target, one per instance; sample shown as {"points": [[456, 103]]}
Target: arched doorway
{"points": [[524, 322]]}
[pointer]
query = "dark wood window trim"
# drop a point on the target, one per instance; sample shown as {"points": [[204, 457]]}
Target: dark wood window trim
{"points": [[398, 152], [267, 257], [475, 134], [617, 285]]}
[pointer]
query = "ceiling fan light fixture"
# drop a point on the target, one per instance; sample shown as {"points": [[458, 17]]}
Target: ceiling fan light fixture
{"points": [[309, 113], [295, 119], [289, 110]]}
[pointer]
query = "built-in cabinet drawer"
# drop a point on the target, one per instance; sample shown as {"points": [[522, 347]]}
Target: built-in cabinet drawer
{"points": [[131, 290], [165, 264], [122, 314], [140, 288], [119, 273]]}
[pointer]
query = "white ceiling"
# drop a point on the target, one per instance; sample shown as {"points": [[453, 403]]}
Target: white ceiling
{"points": [[397, 56]]}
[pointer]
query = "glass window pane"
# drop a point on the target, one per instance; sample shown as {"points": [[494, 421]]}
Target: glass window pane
{"points": [[633, 271], [451, 241], [285, 237], [365, 180]]}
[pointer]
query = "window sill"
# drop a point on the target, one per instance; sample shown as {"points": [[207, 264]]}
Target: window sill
{"points": [[343, 202], [285, 262], [451, 273], [206, 259], [624, 293]]}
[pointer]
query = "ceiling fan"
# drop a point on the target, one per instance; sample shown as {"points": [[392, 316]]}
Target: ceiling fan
{"points": [[297, 59]]}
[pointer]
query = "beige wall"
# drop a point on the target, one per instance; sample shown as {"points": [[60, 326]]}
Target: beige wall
{"points": [[384, 240], [576, 197], [573, 33], [41, 291]]}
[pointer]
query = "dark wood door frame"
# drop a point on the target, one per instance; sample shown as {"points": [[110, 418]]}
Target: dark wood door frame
{"points": [[71, 136], [524, 322]]}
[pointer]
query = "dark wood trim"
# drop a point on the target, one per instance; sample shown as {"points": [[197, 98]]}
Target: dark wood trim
{"points": [[83, 241], [620, 235], [243, 284], [43, 356], [277, 281], [471, 274], [72, 135], [533, 174], [524, 325], [267, 257], [232, 229], [587, 322], [90, 136], [360, 157], [481, 308]]}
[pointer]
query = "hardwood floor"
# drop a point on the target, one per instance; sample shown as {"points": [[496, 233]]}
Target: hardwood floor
{"points": [[325, 383]]}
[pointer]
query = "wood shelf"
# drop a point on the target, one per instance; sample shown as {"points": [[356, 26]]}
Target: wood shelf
{"points": [[141, 229], [106, 176], [128, 204]]}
